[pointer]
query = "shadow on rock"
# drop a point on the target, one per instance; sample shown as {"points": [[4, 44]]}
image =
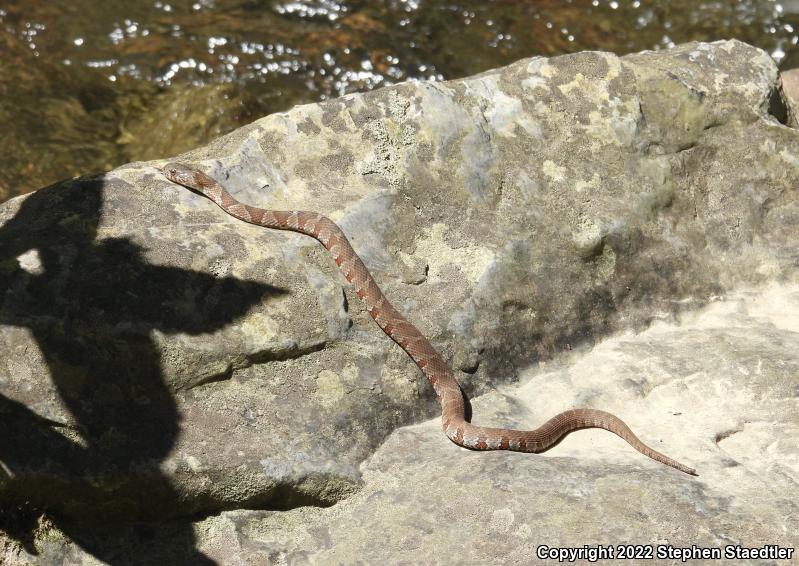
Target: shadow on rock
{"points": [[92, 305]]}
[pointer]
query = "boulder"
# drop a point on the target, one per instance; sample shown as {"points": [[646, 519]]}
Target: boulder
{"points": [[164, 361]]}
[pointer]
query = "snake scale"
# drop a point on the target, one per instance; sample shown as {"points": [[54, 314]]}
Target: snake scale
{"points": [[408, 337]]}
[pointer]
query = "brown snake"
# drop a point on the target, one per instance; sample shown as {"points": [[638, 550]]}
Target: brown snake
{"points": [[409, 338]]}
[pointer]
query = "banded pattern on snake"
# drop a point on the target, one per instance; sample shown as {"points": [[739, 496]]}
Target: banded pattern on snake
{"points": [[408, 337]]}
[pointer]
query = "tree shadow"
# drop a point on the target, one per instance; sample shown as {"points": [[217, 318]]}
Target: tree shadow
{"points": [[92, 305]]}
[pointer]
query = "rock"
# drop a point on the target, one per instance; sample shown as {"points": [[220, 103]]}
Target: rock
{"points": [[717, 390], [590, 489], [158, 347], [790, 85]]}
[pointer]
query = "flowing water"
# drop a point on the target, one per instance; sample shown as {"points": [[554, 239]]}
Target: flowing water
{"points": [[86, 86]]}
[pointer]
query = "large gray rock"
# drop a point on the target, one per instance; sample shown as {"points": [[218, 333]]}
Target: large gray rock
{"points": [[164, 359]]}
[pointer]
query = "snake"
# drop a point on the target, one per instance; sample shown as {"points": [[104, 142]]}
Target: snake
{"points": [[408, 337]]}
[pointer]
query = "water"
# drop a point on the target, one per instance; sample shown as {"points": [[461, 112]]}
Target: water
{"points": [[86, 85]]}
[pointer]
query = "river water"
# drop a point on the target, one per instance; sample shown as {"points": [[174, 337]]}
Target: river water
{"points": [[86, 85]]}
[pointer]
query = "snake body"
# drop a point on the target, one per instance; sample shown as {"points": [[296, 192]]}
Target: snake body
{"points": [[408, 337]]}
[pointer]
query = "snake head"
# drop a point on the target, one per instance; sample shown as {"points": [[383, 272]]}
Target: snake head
{"points": [[180, 174], [189, 177], [177, 173]]}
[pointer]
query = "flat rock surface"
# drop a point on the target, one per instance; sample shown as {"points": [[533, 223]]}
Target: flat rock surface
{"points": [[161, 360]]}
